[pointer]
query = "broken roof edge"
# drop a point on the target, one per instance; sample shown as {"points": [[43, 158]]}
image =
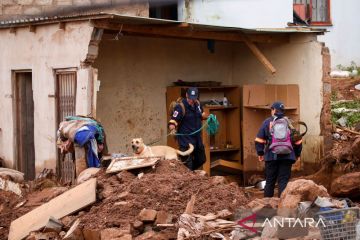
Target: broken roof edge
{"points": [[43, 20]]}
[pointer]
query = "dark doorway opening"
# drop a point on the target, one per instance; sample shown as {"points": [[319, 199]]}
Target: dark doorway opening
{"points": [[25, 124]]}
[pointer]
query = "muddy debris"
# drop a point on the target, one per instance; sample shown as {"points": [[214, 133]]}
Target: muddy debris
{"points": [[163, 192]]}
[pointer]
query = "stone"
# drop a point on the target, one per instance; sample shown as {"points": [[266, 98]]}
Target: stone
{"points": [[224, 214], [121, 203], [87, 174], [266, 207], [298, 191], [200, 172], [107, 191], [32, 11], [123, 195], [346, 185], [111, 233], [151, 235], [138, 225], [147, 215], [216, 180]]}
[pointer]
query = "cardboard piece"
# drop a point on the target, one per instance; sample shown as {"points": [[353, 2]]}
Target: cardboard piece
{"points": [[65, 204], [127, 163]]}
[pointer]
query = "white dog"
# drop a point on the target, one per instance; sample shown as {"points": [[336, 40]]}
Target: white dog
{"points": [[169, 153]]}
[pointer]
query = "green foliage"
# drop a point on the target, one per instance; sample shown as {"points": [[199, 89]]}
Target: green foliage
{"points": [[350, 68], [352, 117]]}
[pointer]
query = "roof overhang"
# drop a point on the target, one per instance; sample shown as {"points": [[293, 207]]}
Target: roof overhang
{"points": [[131, 25]]}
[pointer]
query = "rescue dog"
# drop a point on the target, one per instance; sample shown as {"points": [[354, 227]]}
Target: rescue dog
{"points": [[169, 153]]}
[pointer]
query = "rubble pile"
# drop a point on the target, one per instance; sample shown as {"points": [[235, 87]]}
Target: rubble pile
{"points": [[131, 204]]}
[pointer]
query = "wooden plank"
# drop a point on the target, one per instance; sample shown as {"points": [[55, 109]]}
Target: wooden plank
{"points": [[227, 164], [260, 56], [127, 163], [63, 205]]}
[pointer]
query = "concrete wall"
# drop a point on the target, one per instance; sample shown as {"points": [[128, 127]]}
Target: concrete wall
{"points": [[42, 52], [298, 62], [13, 9], [134, 73], [237, 13], [344, 34]]}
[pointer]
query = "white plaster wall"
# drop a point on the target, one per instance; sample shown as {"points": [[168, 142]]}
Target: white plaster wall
{"points": [[343, 37], [298, 62], [134, 73], [237, 13], [41, 52]]}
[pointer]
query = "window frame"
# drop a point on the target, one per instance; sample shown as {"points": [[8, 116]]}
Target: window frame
{"points": [[317, 23]]}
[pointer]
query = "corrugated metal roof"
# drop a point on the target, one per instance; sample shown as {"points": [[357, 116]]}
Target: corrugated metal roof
{"points": [[146, 21]]}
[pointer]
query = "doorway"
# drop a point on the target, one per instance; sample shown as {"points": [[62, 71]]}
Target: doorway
{"points": [[25, 124], [66, 106]]}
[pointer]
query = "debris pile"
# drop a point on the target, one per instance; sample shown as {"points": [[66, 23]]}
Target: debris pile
{"points": [[147, 201]]}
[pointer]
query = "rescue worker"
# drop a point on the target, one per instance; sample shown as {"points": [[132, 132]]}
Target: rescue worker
{"points": [[277, 166], [187, 118]]}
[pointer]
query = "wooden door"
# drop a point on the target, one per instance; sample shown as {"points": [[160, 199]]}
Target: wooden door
{"points": [[25, 124]]}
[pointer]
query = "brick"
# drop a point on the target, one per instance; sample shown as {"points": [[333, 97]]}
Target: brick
{"points": [[32, 11], [139, 225], [43, 2], [147, 215], [82, 2], [63, 2], [12, 10], [91, 234], [24, 2], [163, 217]]}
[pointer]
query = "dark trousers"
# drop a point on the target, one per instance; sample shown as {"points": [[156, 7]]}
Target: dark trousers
{"points": [[279, 170], [196, 159]]}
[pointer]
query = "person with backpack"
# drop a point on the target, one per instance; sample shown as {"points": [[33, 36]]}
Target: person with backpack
{"points": [[186, 118], [274, 145]]}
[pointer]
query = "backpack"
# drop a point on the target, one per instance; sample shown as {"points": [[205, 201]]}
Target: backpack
{"points": [[173, 104], [179, 102], [280, 136]]}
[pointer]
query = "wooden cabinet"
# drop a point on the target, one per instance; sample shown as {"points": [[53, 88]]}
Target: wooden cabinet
{"points": [[223, 151]]}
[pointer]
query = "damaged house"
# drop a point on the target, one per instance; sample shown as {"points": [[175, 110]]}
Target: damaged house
{"points": [[117, 65]]}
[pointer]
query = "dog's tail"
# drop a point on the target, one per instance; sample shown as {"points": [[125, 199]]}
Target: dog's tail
{"points": [[187, 152]]}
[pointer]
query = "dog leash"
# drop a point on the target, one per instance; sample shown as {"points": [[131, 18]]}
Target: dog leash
{"points": [[212, 127]]}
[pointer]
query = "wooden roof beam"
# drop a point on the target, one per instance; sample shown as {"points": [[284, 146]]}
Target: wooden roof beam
{"points": [[259, 55]]}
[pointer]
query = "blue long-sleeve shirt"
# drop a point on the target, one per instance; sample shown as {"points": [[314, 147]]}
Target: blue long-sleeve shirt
{"points": [[263, 140]]}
